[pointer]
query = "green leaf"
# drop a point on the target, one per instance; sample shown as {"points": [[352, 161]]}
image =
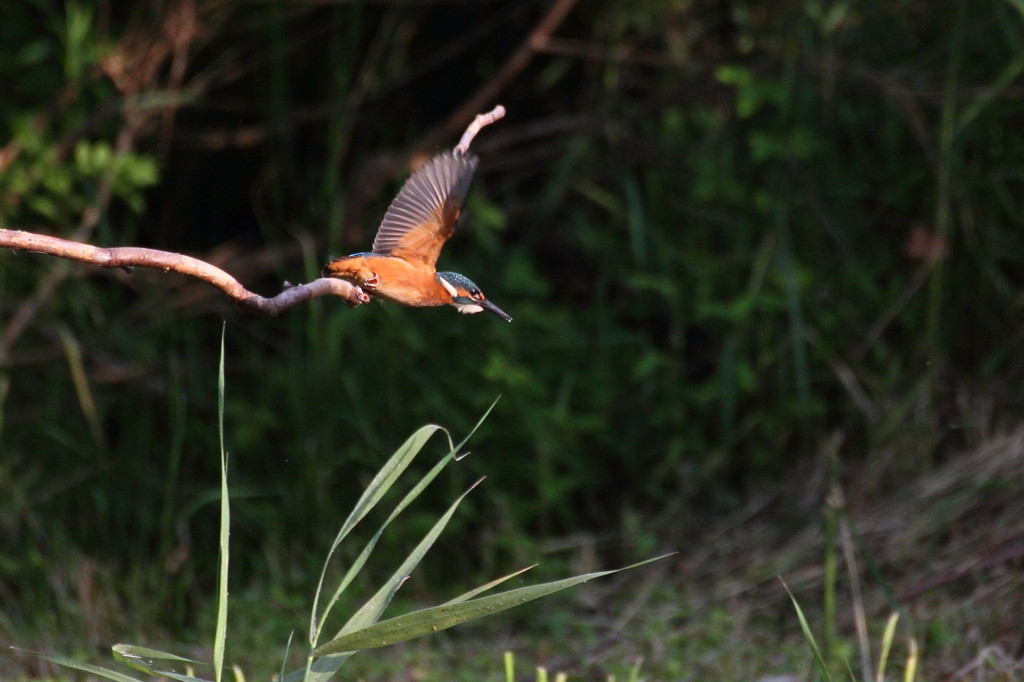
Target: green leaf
{"points": [[910, 668], [488, 586], [377, 488], [284, 658], [132, 651], [86, 667], [78, 26], [887, 637], [360, 561], [808, 635], [371, 610], [479, 422], [437, 618], [730, 74], [43, 205], [138, 658], [138, 170], [325, 667]]}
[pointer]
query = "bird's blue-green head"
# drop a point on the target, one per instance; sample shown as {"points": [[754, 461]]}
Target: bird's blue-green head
{"points": [[467, 297]]}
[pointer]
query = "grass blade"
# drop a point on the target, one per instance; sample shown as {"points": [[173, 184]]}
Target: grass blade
{"points": [[360, 561], [143, 659], [808, 634], [480, 421], [146, 667], [87, 668], [453, 453], [437, 618], [80, 380], [634, 672], [487, 586], [371, 610], [910, 672], [122, 651], [284, 659], [510, 667], [326, 665], [380, 484], [1007, 77], [220, 635], [887, 636]]}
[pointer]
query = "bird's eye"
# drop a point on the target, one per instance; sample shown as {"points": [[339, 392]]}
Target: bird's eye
{"points": [[475, 293]]}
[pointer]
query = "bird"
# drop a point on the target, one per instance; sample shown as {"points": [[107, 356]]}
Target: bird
{"points": [[401, 267]]}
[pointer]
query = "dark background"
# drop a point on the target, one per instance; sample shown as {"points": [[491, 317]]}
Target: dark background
{"points": [[730, 234]]}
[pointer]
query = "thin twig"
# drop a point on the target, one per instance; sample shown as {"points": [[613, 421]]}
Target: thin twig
{"points": [[479, 123], [859, 617], [917, 280]]}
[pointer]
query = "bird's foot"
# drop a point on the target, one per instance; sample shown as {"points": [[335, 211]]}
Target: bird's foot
{"points": [[371, 282], [357, 297]]}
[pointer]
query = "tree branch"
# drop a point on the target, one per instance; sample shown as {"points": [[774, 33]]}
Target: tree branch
{"points": [[128, 257], [131, 256]]}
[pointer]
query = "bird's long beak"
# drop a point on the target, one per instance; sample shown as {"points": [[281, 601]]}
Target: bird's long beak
{"points": [[491, 308]]}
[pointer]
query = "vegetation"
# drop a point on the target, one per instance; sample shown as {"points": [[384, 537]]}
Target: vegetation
{"points": [[365, 628], [761, 259]]}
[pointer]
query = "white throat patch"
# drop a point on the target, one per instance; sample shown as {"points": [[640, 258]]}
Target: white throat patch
{"points": [[468, 308]]}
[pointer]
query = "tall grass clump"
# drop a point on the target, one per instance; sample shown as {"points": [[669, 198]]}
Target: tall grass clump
{"points": [[365, 628]]}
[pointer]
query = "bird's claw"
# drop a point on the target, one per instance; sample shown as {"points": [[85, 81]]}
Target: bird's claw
{"points": [[357, 297], [371, 282]]}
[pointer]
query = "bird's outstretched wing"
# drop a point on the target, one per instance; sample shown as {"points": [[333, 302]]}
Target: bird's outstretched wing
{"points": [[426, 210]]}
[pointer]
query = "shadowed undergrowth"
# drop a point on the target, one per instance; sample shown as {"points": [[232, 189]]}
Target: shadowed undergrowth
{"points": [[941, 551]]}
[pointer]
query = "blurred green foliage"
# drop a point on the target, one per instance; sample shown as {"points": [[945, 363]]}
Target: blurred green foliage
{"points": [[724, 231]]}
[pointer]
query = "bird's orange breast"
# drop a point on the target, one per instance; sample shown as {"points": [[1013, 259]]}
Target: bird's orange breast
{"points": [[398, 280]]}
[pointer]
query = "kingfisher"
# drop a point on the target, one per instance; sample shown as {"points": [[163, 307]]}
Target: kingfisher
{"points": [[424, 214]]}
